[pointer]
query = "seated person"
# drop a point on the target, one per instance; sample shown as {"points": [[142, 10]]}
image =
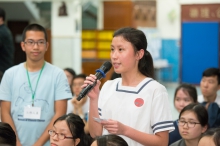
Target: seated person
{"points": [[109, 140], [81, 107], [210, 84], [68, 130], [7, 135], [184, 95], [210, 138], [193, 121]]}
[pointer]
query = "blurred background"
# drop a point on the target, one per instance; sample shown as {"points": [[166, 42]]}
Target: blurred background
{"points": [[183, 35]]}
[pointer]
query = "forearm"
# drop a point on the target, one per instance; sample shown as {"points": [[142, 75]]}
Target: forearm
{"points": [[159, 139], [95, 128]]}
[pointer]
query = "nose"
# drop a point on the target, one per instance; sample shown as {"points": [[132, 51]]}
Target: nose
{"points": [[114, 54], [55, 137]]}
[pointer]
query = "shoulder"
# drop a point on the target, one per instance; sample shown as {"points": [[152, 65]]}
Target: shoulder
{"points": [[15, 68], [53, 69], [178, 143]]}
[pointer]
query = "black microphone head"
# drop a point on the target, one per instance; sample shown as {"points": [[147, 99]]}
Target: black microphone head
{"points": [[106, 66]]}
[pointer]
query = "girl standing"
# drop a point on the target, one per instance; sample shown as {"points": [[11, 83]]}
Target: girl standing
{"points": [[135, 106]]}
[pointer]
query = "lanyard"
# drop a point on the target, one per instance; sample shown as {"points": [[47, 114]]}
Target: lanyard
{"points": [[33, 92]]}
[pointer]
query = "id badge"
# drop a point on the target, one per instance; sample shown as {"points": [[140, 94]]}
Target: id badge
{"points": [[32, 112]]}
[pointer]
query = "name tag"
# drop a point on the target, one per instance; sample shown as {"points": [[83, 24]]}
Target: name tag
{"points": [[32, 112]]}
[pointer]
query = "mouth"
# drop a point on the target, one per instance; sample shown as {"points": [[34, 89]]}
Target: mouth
{"points": [[52, 144], [116, 65], [35, 53], [184, 133]]}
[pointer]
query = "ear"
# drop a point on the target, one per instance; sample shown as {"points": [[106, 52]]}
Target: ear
{"points": [[22, 46], [204, 128], [47, 45], [77, 141], [140, 54]]}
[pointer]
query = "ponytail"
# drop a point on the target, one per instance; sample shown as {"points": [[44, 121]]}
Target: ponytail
{"points": [[145, 65]]}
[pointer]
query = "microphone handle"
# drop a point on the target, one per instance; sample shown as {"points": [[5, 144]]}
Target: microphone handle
{"points": [[85, 91]]}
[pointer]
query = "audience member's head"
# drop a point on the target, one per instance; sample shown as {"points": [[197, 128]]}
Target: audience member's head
{"points": [[109, 140], [68, 130], [7, 135], [77, 82], [193, 121], [184, 95], [70, 74], [2, 15], [210, 138], [210, 83]]}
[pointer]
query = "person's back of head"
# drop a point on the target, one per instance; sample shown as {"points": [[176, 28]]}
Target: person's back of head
{"points": [[2, 14], [212, 134], [210, 72], [110, 140], [7, 135]]}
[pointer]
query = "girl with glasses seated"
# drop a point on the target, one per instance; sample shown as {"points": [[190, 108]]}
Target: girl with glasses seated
{"points": [[193, 121], [184, 95], [68, 130]]}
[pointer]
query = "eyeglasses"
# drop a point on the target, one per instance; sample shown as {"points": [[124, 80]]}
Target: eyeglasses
{"points": [[59, 135], [31, 43], [189, 124]]}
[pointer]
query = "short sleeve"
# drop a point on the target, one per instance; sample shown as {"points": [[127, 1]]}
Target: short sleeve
{"points": [[161, 117], [5, 87], [62, 90]]}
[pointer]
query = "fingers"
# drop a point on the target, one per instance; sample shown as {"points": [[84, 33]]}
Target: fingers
{"points": [[89, 80]]}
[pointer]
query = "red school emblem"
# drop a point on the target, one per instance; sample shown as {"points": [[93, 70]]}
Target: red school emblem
{"points": [[139, 102]]}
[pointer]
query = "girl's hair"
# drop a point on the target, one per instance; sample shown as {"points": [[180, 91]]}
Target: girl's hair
{"points": [[187, 89], [110, 140], [214, 133], [200, 112], [139, 41], [71, 71], [76, 127], [7, 135]]}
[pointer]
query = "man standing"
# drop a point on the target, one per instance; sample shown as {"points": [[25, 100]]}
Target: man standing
{"points": [[6, 45], [33, 93], [210, 84]]}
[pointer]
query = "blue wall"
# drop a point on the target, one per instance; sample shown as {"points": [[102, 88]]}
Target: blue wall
{"points": [[170, 51]]}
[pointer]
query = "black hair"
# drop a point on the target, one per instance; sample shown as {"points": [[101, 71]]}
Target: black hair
{"points": [[76, 127], [214, 133], [139, 41], [7, 135], [2, 14], [34, 27], [1, 75], [110, 140], [212, 72], [187, 89], [83, 76], [115, 75], [200, 112], [71, 71]]}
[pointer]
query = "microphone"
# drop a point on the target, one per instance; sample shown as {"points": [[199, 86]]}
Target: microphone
{"points": [[100, 73]]}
